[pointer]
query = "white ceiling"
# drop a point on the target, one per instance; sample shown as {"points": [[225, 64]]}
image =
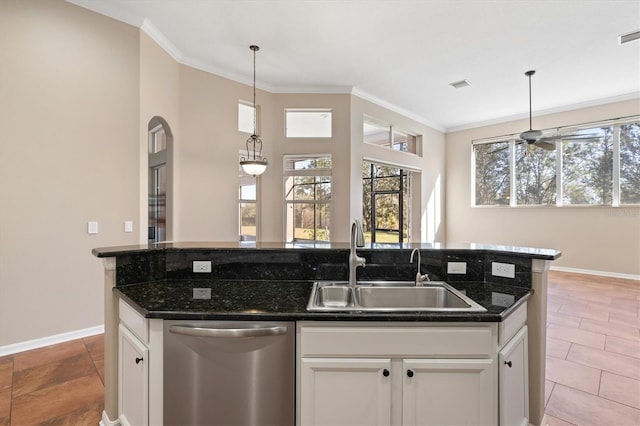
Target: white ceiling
{"points": [[404, 53]]}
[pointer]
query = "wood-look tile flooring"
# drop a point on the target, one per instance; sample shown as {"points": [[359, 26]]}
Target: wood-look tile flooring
{"points": [[56, 385], [593, 363], [593, 351]]}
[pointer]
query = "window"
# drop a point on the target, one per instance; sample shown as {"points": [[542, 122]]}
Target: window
{"points": [[385, 203], [245, 118], [248, 208], [630, 163], [376, 132], [535, 176], [308, 123], [307, 189], [596, 164], [492, 170]]}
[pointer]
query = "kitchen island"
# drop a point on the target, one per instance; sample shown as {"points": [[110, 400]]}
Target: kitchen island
{"points": [[273, 282]]}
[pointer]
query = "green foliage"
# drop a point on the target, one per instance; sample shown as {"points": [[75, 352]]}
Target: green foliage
{"points": [[630, 163], [493, 185]]}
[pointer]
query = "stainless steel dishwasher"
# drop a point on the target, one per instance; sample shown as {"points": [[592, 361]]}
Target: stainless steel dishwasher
{"points": [[229, 373]]}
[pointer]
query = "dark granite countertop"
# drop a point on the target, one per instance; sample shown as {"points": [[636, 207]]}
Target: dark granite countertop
{"points": [[287, 301], [530, 252]]}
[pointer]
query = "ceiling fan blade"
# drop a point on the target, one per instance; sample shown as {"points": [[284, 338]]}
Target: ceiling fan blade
{"points": [[549, 146], [571, 137]]}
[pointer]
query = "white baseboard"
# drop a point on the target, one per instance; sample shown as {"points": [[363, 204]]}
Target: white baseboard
{"points": [[599, 273], [106, 422], [50, 340]]}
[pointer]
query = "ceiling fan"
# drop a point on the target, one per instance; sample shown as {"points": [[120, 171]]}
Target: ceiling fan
{"points": [[537, 137]]}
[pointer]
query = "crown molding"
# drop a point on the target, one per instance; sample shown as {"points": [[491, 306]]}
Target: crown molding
{"points": [[555, 110], [392, 107]]}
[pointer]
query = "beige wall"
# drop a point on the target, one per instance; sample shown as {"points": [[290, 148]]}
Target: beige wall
{"points": [[604, 239], [68, 155], [337, 146], [159, 96], [427, 221]]}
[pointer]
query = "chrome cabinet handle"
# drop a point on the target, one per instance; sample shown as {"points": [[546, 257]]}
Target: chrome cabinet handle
{"points": [[235, 332]]}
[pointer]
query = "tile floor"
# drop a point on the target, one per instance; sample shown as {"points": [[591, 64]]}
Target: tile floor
{"points": [[56, 385], [593, 363], [593, 351]]}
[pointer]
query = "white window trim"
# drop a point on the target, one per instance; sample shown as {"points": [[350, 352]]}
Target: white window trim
{"points": [[615, 124]]}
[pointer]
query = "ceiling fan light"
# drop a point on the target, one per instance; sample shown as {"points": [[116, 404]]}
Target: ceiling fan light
{"points": [[531, 135]]}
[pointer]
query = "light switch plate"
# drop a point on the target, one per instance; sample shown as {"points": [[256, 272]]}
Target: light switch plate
{"points": [[92, 227], [456, 267], [128, 226], [506, 270]]}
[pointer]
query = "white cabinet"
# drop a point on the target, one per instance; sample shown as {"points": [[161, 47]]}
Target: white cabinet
{"points": [[133, 367], [397, 375], [133, 379], [447, 392], [346, 392], [514, 385]]}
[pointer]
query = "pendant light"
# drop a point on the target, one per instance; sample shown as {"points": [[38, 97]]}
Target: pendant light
{"points": [[253, 164]]}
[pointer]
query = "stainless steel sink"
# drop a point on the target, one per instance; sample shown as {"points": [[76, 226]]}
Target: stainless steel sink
{"points": [[389, 296]]}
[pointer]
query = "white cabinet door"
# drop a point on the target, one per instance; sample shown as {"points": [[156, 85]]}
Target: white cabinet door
{"points": [[133, 379], [514, 383], [342, 391], [448, 392]]}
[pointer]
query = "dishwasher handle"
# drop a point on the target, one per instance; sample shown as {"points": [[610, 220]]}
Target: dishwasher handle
{"points": [[239, 331]]}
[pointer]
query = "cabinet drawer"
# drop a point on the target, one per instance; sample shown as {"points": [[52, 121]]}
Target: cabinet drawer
{"points": [[134, 321], [512, 324], [461, 342]]}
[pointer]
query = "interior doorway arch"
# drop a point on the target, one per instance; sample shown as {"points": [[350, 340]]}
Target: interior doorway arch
{"points": [[160, 173]]}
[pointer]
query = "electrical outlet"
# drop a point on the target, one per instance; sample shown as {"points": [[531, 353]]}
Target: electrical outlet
{"points": [[507, 270], [456, 267], [501, 299], [201, 266], [202, 293]]}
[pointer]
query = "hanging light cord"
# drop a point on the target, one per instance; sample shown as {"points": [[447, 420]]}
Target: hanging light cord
{"points": [[256, 48]]}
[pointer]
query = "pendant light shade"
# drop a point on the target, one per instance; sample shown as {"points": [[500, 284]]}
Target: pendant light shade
{"points": [[254, 164]]}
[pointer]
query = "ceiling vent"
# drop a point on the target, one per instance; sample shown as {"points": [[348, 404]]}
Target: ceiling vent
{"points": [[625, 38], [460, 84]]}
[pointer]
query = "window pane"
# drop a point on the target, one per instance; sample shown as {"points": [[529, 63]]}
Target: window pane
{"points": [[245, 118], [387, 212], [292, 162], [248, 221], [587, 170], [630, 163], [492, 173], [404, 142], [248, 192], [535, 176], [376, 134], [323, 188], [308, 124], [158, 141]]}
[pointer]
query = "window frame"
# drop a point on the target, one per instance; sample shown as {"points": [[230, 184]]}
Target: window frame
{"points": [[328, 111], [316, 172], [392, 131], [512, 140]]}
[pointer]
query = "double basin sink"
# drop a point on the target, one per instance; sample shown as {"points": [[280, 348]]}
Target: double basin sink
{"points": [[389, 296]]}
